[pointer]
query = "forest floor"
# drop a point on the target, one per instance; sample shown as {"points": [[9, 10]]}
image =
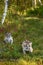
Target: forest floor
{"points": [[31, 29]]}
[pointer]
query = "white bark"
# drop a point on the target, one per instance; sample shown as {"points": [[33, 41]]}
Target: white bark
{"points": [[40, 2], [34, 2], [5, 11]]}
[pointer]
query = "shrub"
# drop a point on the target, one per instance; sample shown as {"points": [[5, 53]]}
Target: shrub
{"points": [[32, 12], [40, 11], [36, 12]]}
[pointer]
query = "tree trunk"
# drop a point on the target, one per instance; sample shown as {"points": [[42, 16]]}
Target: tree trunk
{"points": [[40, 2], [34, 3]]}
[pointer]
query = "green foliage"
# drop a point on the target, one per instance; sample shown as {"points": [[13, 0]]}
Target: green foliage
{"points": [[40, 11], [36, 12], [32, 12]]}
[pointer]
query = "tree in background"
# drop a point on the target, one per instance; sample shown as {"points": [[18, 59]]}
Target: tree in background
{"points": [[34, 2]]}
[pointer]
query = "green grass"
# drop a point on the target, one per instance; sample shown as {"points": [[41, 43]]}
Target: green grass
{"points": [[26, 29]]}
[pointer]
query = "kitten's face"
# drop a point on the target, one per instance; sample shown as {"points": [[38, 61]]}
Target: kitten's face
{"points": [[8, 34], [27, 41]]}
